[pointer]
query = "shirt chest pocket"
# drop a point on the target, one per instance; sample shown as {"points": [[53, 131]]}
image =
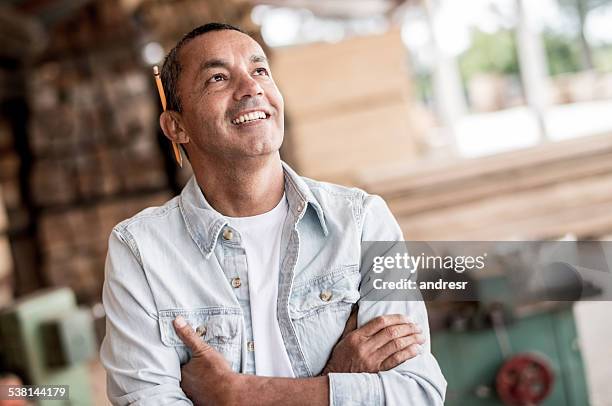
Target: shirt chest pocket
{"points": [[335, 291], [219, 327], [319, 309]]}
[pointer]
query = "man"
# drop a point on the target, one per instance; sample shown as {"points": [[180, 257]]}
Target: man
{"points": [[241, 289]]}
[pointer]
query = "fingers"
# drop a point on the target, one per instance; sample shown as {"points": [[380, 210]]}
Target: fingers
{"points": [[378, 323], [398, 345], [189, 336], [391, 333], [399, 357]]}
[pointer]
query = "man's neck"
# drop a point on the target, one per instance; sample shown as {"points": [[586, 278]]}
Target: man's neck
{"points": [[247, 187]]}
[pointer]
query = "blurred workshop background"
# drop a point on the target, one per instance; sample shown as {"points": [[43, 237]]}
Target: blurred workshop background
{"points": [[479, 119]]}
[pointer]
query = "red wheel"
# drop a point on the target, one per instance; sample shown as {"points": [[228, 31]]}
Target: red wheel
{"points": [[524, 380]]}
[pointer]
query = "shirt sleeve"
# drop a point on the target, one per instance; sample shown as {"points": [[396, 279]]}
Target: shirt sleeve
{"points": [[140, 369], [418, 381]]}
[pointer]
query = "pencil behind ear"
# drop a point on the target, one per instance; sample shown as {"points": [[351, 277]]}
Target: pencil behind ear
{"points": [[162, 97]]}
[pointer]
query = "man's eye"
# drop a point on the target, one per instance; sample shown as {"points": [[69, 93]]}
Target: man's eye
{"points": [[261, 71], [217, 78]]}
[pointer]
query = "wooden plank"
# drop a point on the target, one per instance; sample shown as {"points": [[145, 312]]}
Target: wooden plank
{"points": [[400, 178], [348, 106], [473, 189], [317, 78], [550, 226], [552, 211], [337, 146], [543, 192]]}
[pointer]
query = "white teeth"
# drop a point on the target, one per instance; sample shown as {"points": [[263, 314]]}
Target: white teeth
{"points": [[249, 117]]}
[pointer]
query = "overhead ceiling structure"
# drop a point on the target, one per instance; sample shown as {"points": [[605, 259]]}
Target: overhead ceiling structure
{"points": [[52, 11], [164, 21], [340, 9]]}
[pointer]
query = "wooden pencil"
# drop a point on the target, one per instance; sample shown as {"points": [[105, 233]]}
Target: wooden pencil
{"points": [[162, 96]]}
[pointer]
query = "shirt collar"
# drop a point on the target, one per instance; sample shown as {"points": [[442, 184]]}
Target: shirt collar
{"points": [[204, 223]]}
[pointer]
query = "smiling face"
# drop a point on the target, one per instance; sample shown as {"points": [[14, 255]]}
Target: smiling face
{"points": [[231, 107]]}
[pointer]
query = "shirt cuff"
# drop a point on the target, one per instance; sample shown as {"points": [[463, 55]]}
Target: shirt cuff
{"points": [[355, 389]]}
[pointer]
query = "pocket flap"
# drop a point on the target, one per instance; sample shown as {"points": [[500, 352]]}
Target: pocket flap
{"points": [[215, 325], [318, 293]]}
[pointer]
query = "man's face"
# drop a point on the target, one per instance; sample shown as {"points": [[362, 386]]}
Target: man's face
{"points": [[231, 106]]}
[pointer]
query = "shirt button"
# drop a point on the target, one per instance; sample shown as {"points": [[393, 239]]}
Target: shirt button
{"points": [[236, 282], [251, 346], [300, 207], [325, 295], [228, 234], [201, 330]]}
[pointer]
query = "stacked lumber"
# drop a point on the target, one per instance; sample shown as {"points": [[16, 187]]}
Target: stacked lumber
{"points": [[74, 241], [538, 193], [21, 38], [95, 160], [81, 28], [88, 152], [10, 202], [347, 106], [15, 222], [10, 162], [94, 136]]}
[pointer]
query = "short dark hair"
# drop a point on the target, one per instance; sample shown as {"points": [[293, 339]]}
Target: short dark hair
{"points": [[171, 69]]}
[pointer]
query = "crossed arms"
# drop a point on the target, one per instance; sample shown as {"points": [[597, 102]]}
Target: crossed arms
{"points": [[383, 343], [141, 370]]}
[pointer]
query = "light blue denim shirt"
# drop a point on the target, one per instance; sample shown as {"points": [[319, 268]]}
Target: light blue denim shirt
{"points": [[182, 258]]}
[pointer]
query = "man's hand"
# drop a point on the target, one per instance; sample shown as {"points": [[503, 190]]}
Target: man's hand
{"points": [[381, 344], [206, 378]]}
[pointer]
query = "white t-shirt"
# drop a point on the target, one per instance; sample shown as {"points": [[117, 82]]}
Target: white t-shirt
{"points": [[261, 238]]}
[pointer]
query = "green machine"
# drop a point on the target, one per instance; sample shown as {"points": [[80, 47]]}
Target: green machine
{"points": [[46, 339], [493, 352]]}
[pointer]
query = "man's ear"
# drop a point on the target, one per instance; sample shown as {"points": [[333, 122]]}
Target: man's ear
{"points": [[172, 125]]}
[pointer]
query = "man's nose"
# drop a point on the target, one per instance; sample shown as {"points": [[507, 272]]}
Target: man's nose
{"points": [[248, 87]]}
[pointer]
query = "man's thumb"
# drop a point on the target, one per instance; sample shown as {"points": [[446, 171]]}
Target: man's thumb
{"points": [[190, 337]]}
